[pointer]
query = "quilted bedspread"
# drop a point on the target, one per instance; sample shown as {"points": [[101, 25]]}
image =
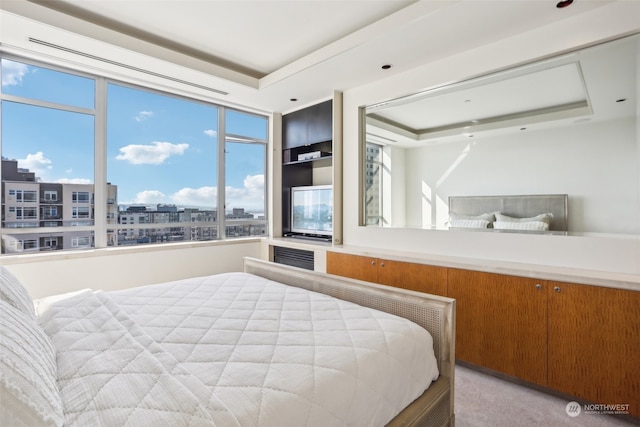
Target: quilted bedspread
{"points": [[232, 350]]}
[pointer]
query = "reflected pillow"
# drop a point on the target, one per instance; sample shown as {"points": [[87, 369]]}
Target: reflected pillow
{"points": [[454, 216], [545, 217], [521, 225], [469, 223]]}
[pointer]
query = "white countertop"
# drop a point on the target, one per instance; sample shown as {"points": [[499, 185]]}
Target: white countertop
{"points": [[543, 272]]}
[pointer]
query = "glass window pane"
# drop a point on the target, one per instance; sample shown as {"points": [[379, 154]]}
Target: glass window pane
{"points": [[162, 156], [44, 84], [373, 184], [245, 190], [247, 125], [47, 155]]}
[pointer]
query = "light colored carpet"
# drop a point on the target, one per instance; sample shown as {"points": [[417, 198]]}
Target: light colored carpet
{"points": [[485, 401]]}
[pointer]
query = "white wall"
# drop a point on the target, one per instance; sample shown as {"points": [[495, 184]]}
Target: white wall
{"points": [[595, 164], [116, 268], [601, 253]]}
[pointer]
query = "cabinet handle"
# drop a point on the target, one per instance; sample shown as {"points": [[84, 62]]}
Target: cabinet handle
{"points": [[373, 263], [382, 264], [538, 286], [556, 288]]}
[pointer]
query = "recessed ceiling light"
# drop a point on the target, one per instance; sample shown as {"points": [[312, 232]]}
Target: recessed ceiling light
{"points": [[386, 66], [564, 3]]}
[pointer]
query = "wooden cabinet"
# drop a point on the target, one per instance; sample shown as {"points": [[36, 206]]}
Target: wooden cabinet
{"points": [[416, 277], [580, 340], [308, 126], [594, 343], [577, 339], [501, 323], [353, 266]]}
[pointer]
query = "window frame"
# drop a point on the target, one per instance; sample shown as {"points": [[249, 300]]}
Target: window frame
{"points": [[100, 226]]}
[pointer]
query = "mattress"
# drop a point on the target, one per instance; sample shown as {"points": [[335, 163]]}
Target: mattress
{"points": [[232, 349]]}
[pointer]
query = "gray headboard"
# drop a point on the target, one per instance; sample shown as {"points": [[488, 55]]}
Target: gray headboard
{"points": [[517, 206]]}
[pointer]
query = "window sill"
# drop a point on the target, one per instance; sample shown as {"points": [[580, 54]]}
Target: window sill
{"points": [[101, 252]]}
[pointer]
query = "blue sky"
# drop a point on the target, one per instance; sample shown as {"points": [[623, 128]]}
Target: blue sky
{"points": [[160, 149]]}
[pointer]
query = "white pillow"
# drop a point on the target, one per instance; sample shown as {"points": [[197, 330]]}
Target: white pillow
{"points": [[521, 225], [454, 216], [469, 223], [544, 217], [13, 292], [29, 393]]}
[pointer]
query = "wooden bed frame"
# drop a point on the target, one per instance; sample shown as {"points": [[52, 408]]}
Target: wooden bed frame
{"points": [[434, 313]]}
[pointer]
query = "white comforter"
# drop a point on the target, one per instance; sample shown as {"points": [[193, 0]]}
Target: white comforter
{"points": [[232, 349]]}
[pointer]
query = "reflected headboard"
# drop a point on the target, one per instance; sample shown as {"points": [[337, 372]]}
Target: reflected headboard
{"points": [[517, 206]]}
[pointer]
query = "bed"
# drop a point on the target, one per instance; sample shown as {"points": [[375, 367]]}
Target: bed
{"points": [[528, 213], [273, 345]]}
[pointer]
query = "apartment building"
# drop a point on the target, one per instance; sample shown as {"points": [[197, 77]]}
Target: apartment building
{"points": [[65, 210]]}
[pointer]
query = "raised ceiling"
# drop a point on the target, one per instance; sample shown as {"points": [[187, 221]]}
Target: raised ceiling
{"points": [[266, 52]]}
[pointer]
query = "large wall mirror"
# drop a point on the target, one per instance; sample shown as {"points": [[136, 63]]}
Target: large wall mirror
{"points": [[566, 125]]}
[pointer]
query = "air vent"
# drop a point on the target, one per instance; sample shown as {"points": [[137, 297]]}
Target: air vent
{"points": [[129, 67], [294, 257]]}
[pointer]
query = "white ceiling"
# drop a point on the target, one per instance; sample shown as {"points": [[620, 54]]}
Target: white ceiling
{"points": [[269, 51]]}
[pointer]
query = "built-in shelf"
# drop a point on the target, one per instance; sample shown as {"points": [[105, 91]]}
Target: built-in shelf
{"points": [[320, 161]]}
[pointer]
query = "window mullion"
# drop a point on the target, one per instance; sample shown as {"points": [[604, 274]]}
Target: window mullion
{"points": [[222, 229], [100, 165]]}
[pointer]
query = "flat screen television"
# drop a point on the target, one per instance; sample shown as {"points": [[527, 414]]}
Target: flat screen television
{"points": [[312, 210]]}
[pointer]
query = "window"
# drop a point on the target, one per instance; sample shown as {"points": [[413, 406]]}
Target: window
{"points": [[50, 196], [26, 196], [50, 242], [245, 160], [20, 245], [80, 197], [80, 212], [176, 168], [25, 213], [48, 137], [49, 212], [373, 184], [81, 242]]}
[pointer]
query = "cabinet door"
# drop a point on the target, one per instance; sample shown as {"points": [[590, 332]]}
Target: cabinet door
{"points": [[416, 277], [594, 343], [501, 323], [353, 266], [294, 129], [320, 122]]}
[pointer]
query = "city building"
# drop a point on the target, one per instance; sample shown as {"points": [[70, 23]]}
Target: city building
{"points": [[66, 210]]}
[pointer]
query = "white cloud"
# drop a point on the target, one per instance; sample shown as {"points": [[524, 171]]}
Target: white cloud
{"points": [[150, 197], [210, 132], [143, 115], [13, 72], [154, 154], [74, 181], [250, 196], [36, 163], [203, 196]]}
